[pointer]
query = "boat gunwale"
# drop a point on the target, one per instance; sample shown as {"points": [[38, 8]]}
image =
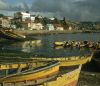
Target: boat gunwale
{"points": [[33, 70]]}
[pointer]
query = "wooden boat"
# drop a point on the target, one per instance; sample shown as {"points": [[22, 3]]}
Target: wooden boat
{"points": [[59, 43], [36, 75], [9, 34], [79, 44], [51, 74], [67, 61], [17, 62], [58, 72], [67, 78]]}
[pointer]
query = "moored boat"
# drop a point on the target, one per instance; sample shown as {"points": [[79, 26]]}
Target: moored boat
{"points": [[9, 34], [78, 44], [59, 43]]}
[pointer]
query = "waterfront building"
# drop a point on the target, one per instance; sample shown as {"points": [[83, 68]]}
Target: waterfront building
{"points": [[59, 27], [50, 27], [36, 26], [32, 18], [70, 28], [5, 22], [22, 15], [26, 24]]}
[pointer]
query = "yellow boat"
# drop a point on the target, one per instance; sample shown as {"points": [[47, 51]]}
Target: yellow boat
{"points": [[30, 72], [59, 43], [36, 75], [69, 78], [40, 61], [50, 75], [67, 61]]}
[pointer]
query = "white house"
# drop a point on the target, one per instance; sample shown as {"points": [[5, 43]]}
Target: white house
{"points": [[22, 15], [32, 18], [52, 18], [70, 28]]}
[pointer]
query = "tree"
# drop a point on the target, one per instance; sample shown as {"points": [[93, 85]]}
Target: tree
{"points": [[1, 15]]}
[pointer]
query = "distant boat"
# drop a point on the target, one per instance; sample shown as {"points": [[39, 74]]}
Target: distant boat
{"points": [[9, 34], [59, 43]]}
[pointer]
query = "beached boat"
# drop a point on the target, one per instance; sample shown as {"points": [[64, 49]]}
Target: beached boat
{"points": [[9, 34], [51, 74], [67, 61], [30, 75], [67, 77]]}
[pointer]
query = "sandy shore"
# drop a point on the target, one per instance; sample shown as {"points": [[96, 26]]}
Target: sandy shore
{"points": [[90, 75], [36, 32], [89, 79]]}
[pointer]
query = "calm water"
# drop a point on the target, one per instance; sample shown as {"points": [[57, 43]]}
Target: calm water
{"points": [[44, 47]]}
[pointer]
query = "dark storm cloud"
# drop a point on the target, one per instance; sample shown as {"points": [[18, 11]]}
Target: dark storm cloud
{"points": [[63, 7], [71, 9], [89, 9], [16, 7]]}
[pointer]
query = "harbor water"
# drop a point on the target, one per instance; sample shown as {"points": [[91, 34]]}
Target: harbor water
{"points": [[44, 46]]}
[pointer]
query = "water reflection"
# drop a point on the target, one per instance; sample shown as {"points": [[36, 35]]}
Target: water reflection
{"points": [[27, 46]]}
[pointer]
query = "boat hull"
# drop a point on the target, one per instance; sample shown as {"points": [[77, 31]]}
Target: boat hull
{"points": [[67, 79], [59, 44], [39, 75], [11, 35]]}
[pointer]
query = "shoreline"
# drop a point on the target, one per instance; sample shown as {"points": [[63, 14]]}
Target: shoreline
{"points": [[46, 32]]}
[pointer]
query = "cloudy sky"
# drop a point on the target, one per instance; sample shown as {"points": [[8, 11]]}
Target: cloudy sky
{"points": [[81, 10]]}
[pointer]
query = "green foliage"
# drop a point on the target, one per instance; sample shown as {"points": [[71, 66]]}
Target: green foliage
{"points": [[1, 15]]}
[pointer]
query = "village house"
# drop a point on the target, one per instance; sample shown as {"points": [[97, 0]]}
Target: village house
{"points": [[5, 22], [36, 26], [50, 27], [70, 28], [58, 27], [22, 15], [26, 24], [32, 17]]}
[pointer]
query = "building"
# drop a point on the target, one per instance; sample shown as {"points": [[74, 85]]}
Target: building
{"points": [[32, 18], [22, 15], [52, 18], [36, 26], [50, 27], [5, 22], [26, 24], [58, 27], [70, 28]]}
